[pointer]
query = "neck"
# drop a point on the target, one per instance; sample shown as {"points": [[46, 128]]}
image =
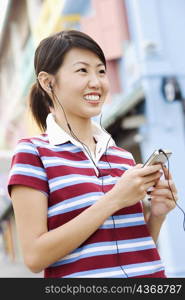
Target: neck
{"points": [[80, 128]]}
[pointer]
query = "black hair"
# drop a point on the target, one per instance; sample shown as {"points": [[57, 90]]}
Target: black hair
{"points": [[49, 57]]}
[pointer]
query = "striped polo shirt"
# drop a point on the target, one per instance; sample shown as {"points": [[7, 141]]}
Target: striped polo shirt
{"points": [[57, 165]]}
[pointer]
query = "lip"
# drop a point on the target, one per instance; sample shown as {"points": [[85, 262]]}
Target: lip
{"points": [[93, 102], [93, 93]]}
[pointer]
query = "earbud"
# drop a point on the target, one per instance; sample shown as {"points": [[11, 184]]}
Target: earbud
{"points": [[50, 86]]}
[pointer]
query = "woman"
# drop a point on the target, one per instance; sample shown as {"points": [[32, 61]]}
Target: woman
{"points": [[76, 195]]}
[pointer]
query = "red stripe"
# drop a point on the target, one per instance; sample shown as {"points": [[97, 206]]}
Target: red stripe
{"points": [[75, 190], [56, 171], [160, 274], [77, 156], [116, 159], [103, 261], [28, 158]]}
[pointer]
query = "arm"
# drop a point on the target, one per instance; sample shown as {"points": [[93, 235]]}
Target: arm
{"points": [[154, 226], [37, 242], [42, 247], [154, 223]]}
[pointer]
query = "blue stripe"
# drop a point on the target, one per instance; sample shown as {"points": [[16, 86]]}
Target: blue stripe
{"points": [[30, 167], [123, 225], [60, 148], [44, 144], [21, 148], [69, 147], [73, 199], [29, 175], [126, 216]]}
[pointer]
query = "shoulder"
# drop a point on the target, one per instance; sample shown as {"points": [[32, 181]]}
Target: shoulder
{"points": [[121, 151], [33, 142], [26, 166], [121, 155], [42, 138], [29, 146]]}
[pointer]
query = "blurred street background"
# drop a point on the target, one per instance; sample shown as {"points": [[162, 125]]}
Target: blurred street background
{"points": [[144, 44]]}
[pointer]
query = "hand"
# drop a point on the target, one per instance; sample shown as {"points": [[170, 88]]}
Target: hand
{"points": [[133, 185], [162, 201]]}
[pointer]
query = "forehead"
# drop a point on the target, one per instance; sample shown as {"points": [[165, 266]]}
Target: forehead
{"points": [[77, 55]]}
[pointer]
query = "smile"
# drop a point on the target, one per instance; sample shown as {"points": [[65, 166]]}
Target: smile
{"points": [[92, 97]]}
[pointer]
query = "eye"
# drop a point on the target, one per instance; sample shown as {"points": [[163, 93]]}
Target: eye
{"points": [[82, 70], [102, 71]]}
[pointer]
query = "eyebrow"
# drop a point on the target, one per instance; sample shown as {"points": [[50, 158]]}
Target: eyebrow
{"points": [[84, 63]]}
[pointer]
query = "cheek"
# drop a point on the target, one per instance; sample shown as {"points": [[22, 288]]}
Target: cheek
{"points": [[105, 85]]}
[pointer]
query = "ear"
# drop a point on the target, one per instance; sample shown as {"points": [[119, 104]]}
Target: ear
{"points": [[46, 81]]}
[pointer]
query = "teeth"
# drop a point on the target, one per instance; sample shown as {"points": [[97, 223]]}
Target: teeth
{"points": [[92, 97]]}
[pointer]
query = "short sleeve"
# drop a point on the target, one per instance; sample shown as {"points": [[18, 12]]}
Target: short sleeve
{"points": [[27, 168], [132, 160]]}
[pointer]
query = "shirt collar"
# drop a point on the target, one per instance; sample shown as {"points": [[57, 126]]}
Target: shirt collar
{"points": [[58, 136]]}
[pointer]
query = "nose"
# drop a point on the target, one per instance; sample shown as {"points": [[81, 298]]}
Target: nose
{"points": [[94, 81]]}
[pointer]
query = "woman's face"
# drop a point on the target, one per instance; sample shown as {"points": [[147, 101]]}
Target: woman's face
{"points": [[81, 84]]}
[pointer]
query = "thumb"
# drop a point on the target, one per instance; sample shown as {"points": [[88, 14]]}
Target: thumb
{"points": [[138, 166]]}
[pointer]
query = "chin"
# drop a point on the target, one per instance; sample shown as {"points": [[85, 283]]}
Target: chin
{"points": [[95, 114], [91, 112]]}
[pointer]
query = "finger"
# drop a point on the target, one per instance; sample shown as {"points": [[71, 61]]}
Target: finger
{"points": [[155, 176], [162, 192], [166, 184], [170, 204], [149, 185], [138, 166], [149, 169]]}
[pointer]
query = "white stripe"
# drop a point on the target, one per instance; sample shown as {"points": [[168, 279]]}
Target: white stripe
{"points": [[25, 147], [80, 163], [66, 161], [57, 147], [90, 250], [113, 164], [64, 206], [123, 220], [27, 170], [130, 270], [120, 153], [104, 274], [62, 181], [111, 247], [144, 268], [137, 244], [42, 138], [44, 145], [81, 178]]}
